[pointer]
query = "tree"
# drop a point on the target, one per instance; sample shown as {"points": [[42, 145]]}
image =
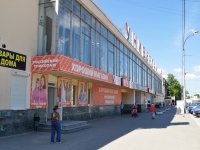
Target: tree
{"points": [[174, 87], [197, 95], [188, 97]]}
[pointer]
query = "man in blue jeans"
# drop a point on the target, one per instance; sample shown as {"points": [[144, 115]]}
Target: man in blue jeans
{"points": [[55, 125], [122, 108]]}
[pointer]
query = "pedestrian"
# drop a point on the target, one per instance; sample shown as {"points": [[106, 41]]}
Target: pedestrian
{"points": [[122, 108], [134, 112], [55, 125], [152, 109]]}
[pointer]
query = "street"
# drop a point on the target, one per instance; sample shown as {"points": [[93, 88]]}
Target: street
{"points": [[167, 131]]}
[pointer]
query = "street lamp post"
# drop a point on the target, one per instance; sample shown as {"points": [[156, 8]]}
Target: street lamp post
{"points": [[183, 65]]}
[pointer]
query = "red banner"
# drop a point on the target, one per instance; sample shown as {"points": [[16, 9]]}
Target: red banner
{"points": [[103, 95], [63, 63]]}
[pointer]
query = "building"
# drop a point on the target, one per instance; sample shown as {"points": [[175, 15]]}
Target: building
{"points": [[69, 53]]}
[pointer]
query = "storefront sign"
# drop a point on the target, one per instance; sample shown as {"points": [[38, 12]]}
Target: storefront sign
{"points": [[125, 82], [39, 88], [82, 93], [64, 92], [12, 60], [103, 95], [63, 63], [116, 80]]}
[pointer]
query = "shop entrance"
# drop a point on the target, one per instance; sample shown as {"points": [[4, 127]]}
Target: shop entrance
{"points": [[51, 101]]}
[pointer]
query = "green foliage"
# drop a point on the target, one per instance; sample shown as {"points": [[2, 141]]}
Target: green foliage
{"points": [[197, 95], [188, 97], [174, 87]]}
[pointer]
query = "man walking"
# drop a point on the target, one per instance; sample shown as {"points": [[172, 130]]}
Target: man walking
{"points": [[152, 109], [122, 108]]}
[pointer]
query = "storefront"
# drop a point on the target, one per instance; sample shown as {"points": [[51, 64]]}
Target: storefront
{"points": [[57, 79]]}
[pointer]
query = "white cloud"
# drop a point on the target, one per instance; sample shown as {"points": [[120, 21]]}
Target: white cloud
{"points": [[177, 70], [191, 76], [196, 68]]}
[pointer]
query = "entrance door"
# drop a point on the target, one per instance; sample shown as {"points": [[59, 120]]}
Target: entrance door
{"points": [[124, 98], [51, 101]]}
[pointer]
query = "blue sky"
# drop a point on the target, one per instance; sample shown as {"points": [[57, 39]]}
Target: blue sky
{"points": [[158, 25]]}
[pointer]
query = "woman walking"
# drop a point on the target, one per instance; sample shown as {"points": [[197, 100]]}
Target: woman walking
{"points": [[55, 125]]}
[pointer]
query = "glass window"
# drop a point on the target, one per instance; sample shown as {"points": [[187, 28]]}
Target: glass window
{"points": [[93, 48], [86, 16], [97, 50], [86, 29], [104, 31], [125, 50], [125, 66], [76, 7], [135, 72], [115, 61], [111, 37], [67, 3], [85, 57], [93, 22], [131, 71], [98, 26], [121, 46], [110, 62], [64, 31], [110, 47], [118, 62], [103, 54], [117, 43], [76, 38], [121, 65]]}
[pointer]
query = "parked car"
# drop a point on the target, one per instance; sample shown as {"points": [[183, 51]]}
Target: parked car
{"points": [[195, 108], [196, 113], [191, 106]]}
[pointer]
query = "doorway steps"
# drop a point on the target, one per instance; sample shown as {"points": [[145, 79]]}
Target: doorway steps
{"points": [[67, 126]]}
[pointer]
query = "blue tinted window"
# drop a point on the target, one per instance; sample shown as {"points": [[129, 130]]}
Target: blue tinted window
{"points": [[93, 48], [103, 31], [85, 56], [67, 3], [76, 8], [86, 16], [64, 31], [103, 54], [97, 50], [76, 38]]}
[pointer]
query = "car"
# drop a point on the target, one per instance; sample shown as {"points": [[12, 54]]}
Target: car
{"points": [[191, 106], [196, 113], [195, 108]]}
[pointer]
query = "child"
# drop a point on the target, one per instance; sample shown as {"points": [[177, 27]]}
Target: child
{"points": [[134, 112]]}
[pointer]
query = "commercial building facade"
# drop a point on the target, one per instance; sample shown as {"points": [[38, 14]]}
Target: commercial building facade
{"points": [[75, 57]]}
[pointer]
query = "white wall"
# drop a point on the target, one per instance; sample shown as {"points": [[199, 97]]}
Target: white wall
{"points": [[18, 29]]}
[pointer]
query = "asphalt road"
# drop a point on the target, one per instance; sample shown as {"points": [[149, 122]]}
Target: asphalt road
{"points": [[167, 132]]}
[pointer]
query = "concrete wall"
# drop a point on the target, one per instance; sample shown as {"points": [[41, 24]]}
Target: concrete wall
{"points": [[19, 26]]}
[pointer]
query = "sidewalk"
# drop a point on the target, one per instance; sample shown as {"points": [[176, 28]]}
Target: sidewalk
{"points": [[167, 131]]}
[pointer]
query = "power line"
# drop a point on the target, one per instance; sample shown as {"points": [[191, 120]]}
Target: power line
{"points": [[157, 8]]}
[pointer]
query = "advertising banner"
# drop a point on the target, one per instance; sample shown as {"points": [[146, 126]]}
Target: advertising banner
{"points": [[63, 63], [116, 80], [103, 95], [64, 92], [39, 89], [13, 60], [125, 82], [82, 93]]}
